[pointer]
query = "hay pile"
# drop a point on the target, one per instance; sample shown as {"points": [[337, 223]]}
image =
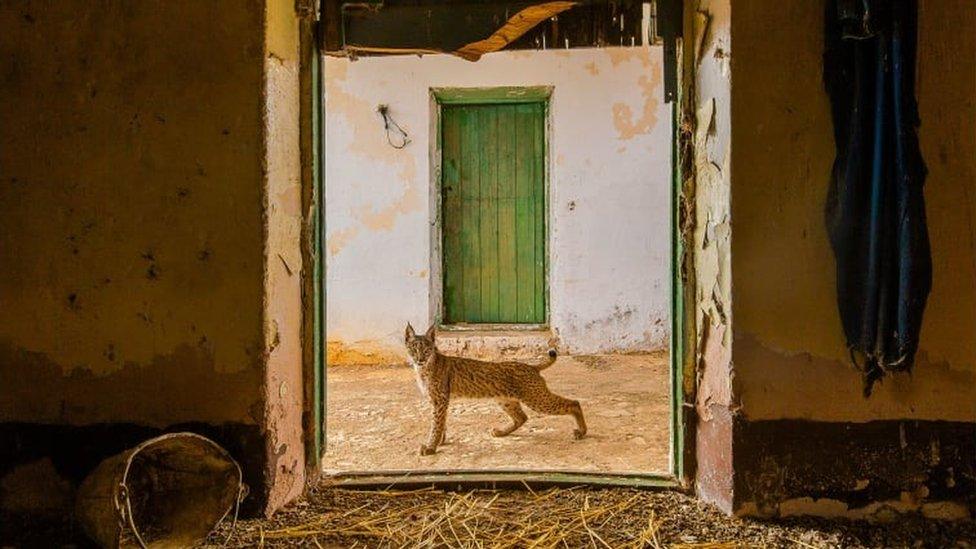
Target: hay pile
{"points": [[574, 517]]}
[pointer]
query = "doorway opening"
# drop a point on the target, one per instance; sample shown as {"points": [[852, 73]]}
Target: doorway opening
{"points": [[530, 209]]}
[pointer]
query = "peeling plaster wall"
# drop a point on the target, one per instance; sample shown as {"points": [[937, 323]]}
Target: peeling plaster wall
{"points": [[791, 359], [149, 220], [609, 193], [282, 318], [711, 47]]}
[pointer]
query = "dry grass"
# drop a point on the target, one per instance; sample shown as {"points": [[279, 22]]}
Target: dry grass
{"points": [[570, 518]]}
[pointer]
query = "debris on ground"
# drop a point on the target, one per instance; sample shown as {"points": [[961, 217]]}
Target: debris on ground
{"points": [[561, 517]]}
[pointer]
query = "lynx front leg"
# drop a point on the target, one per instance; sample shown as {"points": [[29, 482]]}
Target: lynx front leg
{"points": [[437, 425]]}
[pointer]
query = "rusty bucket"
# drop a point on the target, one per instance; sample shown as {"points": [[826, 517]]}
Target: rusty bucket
{"points": [[169, 491]]}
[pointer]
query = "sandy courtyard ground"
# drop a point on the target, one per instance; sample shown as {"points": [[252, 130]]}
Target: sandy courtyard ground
{"points": [[376, 421]]}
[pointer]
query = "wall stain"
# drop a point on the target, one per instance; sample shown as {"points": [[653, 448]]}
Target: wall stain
{"points": [[368, 141], [623, 117], [194, 390], [373, 353]]}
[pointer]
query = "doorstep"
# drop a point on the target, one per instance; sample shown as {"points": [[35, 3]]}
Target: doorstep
{"points": [[496, 344]]}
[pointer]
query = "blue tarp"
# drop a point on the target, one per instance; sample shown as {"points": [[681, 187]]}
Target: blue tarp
{"points": [[875, 208]]}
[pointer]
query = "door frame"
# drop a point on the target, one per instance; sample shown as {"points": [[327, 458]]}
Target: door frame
{"points": [[496, 95], [682, 468]]}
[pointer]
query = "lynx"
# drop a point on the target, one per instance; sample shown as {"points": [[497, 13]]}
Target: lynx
{"points": [[442, 377]]}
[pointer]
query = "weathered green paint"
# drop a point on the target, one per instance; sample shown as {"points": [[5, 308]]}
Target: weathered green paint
{"points": [[492, 96], [318, 213], [683, 330], [494, 213], [405, 480], [677, 308]]}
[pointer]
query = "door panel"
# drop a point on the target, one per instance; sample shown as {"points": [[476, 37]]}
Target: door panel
{"points": [[494, 212]]}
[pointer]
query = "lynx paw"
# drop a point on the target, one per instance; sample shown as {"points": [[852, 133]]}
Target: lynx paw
{"points": [[577, 434], [427, 450], [498, 432]]}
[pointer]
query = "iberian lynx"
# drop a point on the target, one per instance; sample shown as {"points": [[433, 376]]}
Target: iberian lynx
{"points": [[443, 377]]}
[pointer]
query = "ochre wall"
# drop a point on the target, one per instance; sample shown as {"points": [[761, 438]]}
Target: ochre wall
{"points": [[149, 232], [803, 438], [789, 353], [131, 199]]}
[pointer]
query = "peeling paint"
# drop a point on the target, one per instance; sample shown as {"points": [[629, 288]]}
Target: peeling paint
{"points": [[709, 223], [623, 55], [382, 203], [125, 182], [188, 378], [623, 117], [933, 391], [282, 303]]}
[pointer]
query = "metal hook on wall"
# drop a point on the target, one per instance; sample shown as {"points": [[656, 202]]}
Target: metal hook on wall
{"points": [[390, 125]]}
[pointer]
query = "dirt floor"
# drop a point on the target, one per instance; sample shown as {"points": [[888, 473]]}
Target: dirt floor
{"points": [[377, 420], [580, 517]]}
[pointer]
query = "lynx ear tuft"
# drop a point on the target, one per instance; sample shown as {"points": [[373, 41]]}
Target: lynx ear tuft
{"points": [[410, 334]]}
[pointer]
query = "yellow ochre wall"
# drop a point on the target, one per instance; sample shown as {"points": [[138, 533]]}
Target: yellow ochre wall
{"points": [[131, 227], [150, 213], [789, 353]]}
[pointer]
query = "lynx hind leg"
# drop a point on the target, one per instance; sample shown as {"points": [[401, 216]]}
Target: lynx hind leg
{"points": [[514, 411], [546, 402]]}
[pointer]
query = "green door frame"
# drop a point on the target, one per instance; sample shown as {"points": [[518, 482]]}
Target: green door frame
{"points": [[501, 95], [682, 321]]}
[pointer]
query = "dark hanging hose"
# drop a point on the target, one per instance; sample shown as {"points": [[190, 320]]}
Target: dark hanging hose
{"points": [[875, 207]]}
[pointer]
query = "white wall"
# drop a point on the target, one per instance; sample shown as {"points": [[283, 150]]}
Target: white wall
{"points": [[609, 196]]}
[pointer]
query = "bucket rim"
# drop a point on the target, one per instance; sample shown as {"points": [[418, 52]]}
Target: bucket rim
{"points": [[123, 506]]}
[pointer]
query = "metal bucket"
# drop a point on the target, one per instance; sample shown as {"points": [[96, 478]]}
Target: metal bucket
{"points": [[169, 491]]}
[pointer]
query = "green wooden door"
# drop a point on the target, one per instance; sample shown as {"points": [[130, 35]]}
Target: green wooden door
{"points": [[494, 213]]}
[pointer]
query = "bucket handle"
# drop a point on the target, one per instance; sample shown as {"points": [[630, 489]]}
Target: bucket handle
{"points": [[124, 510], [242, 492]]}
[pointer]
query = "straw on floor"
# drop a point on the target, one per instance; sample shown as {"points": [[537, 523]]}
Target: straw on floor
{"points": [[570, 517]]}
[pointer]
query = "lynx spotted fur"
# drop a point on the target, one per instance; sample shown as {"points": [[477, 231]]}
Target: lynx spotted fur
{"points": [[511, 384]]}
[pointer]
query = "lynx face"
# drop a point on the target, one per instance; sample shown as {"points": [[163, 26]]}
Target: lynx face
{"points": [[420, 348]]}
